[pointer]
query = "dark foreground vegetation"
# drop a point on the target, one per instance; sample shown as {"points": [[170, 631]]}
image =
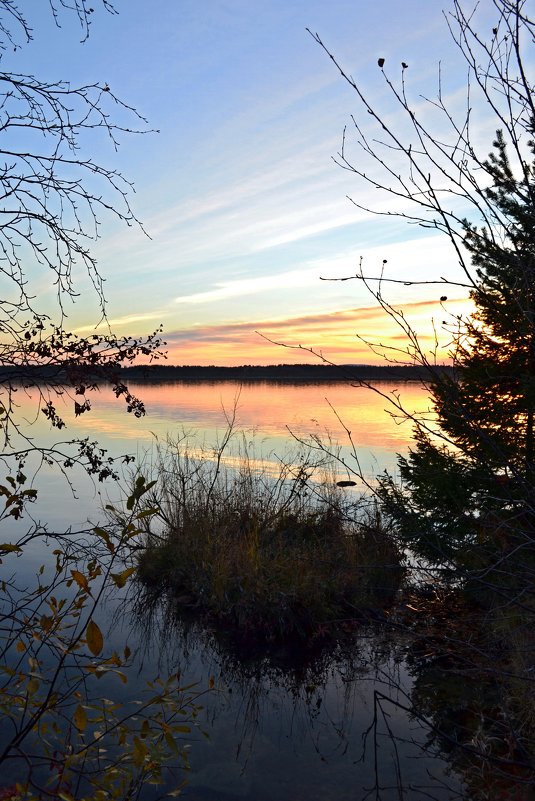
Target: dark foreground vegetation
{"points": [[463, 502], [268, 557]]}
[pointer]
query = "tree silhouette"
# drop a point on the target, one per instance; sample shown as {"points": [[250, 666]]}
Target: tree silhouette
{"points": [[475, 459], [52, 197], [464, 502], [60, 737], [480, 492]]}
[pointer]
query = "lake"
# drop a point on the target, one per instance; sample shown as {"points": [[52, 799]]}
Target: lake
{"points": [[271, 416], [338, 725]]}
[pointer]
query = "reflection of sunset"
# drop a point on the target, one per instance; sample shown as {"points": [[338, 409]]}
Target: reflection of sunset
{"points": [[271, 417], [270, 409], [270, 422]]}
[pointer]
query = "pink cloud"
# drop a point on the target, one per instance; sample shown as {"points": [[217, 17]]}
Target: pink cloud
{"points": [[333, 334]]}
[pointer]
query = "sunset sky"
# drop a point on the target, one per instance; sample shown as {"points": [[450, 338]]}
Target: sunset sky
{"points": [[245, 208]]}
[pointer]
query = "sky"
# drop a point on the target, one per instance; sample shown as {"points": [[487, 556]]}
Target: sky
{"points": [[244, 209]]}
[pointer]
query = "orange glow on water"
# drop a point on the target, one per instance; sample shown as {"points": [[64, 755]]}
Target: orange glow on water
{"points": [[270, 420], [278, 410]]}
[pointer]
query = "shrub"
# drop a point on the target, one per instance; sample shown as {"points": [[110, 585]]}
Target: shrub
{"points": [[269, 556]]}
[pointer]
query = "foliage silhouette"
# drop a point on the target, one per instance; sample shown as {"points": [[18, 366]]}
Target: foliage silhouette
{"points": [[61, 735], [465, 501]]}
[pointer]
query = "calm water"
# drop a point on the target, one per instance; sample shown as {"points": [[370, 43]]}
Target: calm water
{"points": [[273, 733], [271, 416]]}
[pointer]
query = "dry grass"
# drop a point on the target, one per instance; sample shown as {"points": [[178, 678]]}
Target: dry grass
{"points": [[269, 556]]}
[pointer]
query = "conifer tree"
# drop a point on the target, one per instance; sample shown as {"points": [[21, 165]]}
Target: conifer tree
{"points": [[464, 499], [468, 480], [477, 487]]}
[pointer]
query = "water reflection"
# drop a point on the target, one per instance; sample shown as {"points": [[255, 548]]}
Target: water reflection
{"points": [[275, 411], [286, 724], [280, 726], [271, 413]]}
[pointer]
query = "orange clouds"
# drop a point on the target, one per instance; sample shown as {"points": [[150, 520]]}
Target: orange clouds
{"points": [[340, 336]]}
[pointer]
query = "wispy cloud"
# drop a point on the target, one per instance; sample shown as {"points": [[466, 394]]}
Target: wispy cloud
{"points": [[339, 336], [127, 320], [417, 260], [251, 286]]}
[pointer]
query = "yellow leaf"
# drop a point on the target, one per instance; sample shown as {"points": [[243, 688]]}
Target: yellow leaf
{"points": [[177, 792], [170, 740], [46, 622], [7, 547], [20, 647], [80, 718], [121, 676], [140, 752], [147, 513], [103, 534], [121, 578], [95, 640], [32, 686], [80, 579], [114, 660]]}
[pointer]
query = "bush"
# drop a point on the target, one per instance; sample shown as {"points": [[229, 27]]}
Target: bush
{"points": [[270, 556]]}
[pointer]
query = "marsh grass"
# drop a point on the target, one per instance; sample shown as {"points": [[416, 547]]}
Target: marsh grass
{"points": [[269, 554]]}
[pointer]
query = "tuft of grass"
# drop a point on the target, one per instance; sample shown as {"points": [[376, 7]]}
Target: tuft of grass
{"points": [[268, 555]]}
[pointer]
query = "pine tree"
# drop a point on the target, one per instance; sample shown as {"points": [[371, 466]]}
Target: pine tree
{"points": [[471, 489]]}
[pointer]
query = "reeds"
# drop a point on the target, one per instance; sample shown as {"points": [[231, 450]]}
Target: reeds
{"points": [[269, 549]]}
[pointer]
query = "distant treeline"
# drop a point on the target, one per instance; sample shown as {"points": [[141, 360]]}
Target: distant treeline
{"points": [[279, 373]]}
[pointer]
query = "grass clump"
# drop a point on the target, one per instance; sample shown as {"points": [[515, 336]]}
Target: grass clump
{"points": [[268, 555]]}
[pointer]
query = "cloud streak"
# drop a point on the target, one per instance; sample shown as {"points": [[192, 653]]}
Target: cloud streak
{"points": [[340, 336]]}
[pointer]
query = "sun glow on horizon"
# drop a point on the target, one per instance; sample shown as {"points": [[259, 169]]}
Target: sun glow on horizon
{"points": [[365, 335]]}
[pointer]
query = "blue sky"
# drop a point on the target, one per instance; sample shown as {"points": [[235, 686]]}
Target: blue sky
{"points": [[238, 191]]}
